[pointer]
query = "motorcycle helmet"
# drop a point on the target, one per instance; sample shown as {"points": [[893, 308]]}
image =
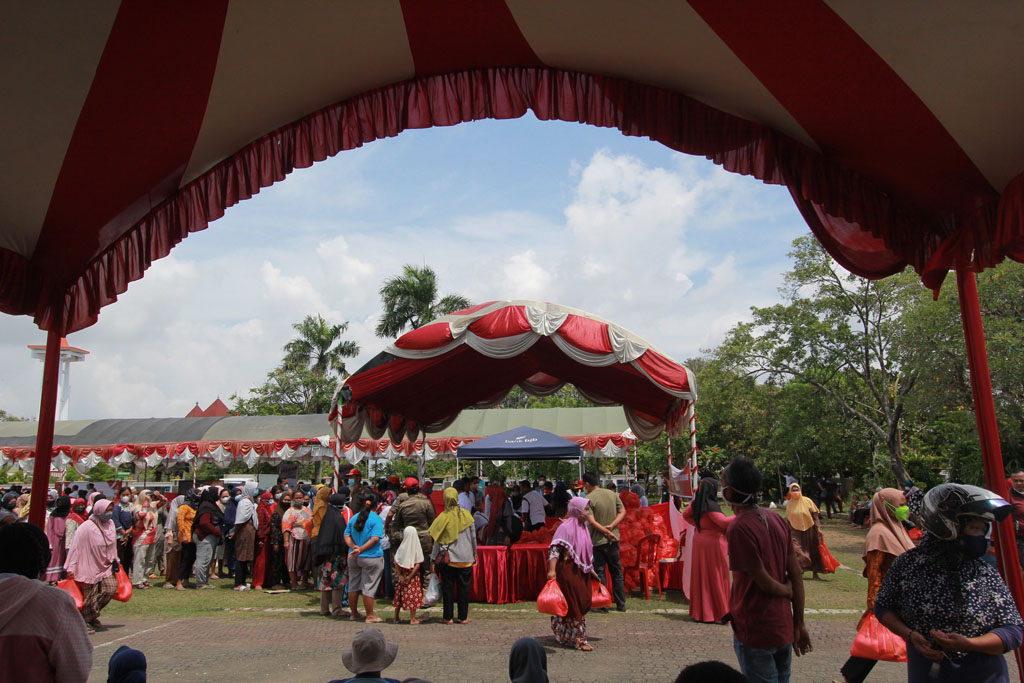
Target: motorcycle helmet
{"points": [[946, 507]]}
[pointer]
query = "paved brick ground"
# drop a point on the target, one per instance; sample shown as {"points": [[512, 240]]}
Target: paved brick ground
{"points": [[306, 647]]}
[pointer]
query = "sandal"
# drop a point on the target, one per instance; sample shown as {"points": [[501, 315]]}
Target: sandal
{"points": [[373, 619], [586, 648]]}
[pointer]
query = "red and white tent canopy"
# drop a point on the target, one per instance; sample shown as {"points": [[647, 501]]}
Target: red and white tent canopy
{"points": [[128, 125], [474, 357]]}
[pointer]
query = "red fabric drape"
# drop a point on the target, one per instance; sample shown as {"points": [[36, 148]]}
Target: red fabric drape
{"points": [[490, 582], [860, 224], [988, 432], [528, 563]]}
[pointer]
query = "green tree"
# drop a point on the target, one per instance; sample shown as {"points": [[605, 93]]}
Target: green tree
{"points": [[410, 300], [7, 417], [840, 334], [288, 390], [319, 346]]}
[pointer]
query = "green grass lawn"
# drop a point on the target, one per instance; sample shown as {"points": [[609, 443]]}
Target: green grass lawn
{"points": [[844, 590]]}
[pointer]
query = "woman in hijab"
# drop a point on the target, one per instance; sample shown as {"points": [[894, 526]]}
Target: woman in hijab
{"points": [[330, 553], [124, 521], [144, 540], [454, 536], [74, 519], [571, 563], [527, 662], [278, 568], [246, 526], [951, 606], [226, 551], [709, 575], [22, 508], [408, 585], [56, 530], [91, 560], [803, 516], [261, 551], [172, 546], [206, 535], [886, 540], [500, 521]]}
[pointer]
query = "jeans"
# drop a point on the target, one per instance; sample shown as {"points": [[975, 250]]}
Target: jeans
{"points": [[241, 572], [455, 579], [608, 554], [763, 665], [204, 558], [387, 583]]}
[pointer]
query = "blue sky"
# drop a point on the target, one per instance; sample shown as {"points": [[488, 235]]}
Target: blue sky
{"points": [[669, 246]]}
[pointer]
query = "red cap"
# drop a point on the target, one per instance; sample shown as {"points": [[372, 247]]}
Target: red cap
{"points": [[411, 482], [392, 480], [352, 472], [428, 484]]}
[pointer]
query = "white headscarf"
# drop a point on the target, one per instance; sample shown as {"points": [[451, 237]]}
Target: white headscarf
{"points": [[246, 508], [409, 552]]}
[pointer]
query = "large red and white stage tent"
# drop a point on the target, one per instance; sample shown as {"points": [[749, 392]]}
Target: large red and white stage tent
{"points": [[474, 357], [894, 126]]}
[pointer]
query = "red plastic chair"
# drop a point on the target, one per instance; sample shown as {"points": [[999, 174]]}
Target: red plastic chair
{"points": [[647, 558]]}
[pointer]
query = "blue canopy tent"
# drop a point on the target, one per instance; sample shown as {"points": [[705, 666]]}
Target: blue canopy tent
{"points": [[522, 443]]}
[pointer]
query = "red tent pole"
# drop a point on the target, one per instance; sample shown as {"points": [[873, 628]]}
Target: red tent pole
{"points": [[44, 436], [988, 432]]}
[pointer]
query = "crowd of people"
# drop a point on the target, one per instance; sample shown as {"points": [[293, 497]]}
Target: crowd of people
{"points": [[941, 594]]}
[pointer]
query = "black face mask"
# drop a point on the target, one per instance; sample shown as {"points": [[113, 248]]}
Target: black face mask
{"points": [[973, 546]]}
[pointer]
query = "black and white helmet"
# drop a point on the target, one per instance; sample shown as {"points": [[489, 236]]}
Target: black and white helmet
{"points": [[947, 506]]}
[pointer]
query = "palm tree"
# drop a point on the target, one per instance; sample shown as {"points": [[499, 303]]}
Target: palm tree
{"points": [[319, 347], [410, 299]]}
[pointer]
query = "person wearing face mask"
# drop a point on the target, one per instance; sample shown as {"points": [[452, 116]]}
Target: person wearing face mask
{"points": [[1017, 501], [124, 523], [246, 523], [886, 540], [144, 544], [278, 569], [226, 550], [805, 519], [296, 525], [75, 518], [950, 606], [261, 551], [186, 520], [206, 534], [91, 562], [767, 596]]}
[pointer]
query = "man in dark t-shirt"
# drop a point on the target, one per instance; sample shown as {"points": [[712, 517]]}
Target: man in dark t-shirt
{"points": [[767, 597]]}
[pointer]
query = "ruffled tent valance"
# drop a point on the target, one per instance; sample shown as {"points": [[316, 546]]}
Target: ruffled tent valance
{"points": [[223, 453]]}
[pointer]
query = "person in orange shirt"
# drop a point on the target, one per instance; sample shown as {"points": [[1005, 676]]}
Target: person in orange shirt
{"points": [[186, 517]]}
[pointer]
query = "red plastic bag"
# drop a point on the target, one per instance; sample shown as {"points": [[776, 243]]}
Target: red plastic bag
{"points": [[71, 587], [551, 601], [830, 563], [915, 534], [124, 586], [600, 596], [875, 641]]}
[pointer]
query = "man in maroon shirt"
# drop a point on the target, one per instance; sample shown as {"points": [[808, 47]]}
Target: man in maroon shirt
{"points": [[767, 599], [1017, 499]]}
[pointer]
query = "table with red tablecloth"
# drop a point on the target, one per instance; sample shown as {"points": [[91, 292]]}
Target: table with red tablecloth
{"points": [[528, 564], [491, 579]]}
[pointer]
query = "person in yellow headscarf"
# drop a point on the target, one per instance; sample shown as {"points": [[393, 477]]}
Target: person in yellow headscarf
{"points": [[323, 494], [454, 554], [805, 519]]}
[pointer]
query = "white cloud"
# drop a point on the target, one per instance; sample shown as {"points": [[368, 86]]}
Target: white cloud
{"points": [[665, 245]]}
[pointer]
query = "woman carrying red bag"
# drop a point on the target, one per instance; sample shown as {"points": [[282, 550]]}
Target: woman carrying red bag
{"points": [[571, 563], [886, 540], [90, 562]]}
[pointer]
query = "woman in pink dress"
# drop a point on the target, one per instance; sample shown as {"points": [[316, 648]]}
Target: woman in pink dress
{"points": [[709, 577]]}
